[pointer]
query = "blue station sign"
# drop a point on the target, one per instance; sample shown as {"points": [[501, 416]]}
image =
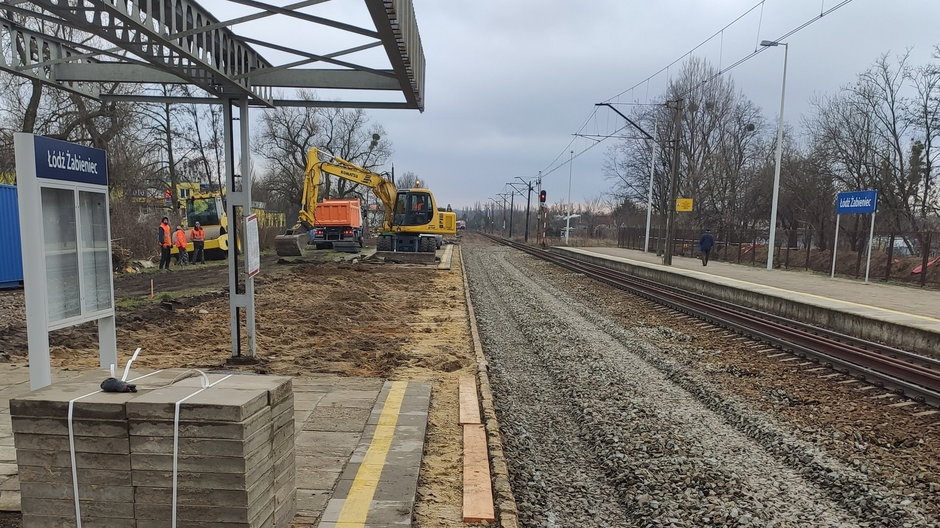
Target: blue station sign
{"points": [[61, 160], [857, 202]]}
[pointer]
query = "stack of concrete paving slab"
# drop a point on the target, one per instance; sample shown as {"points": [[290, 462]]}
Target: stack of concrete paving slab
{"points": [[234, 454], [102, 456]]}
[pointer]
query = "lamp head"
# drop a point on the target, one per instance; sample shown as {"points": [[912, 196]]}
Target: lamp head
{"points": [[769, 43]]}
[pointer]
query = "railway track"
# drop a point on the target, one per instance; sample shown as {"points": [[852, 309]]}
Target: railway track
{"points": [[913, 375]]}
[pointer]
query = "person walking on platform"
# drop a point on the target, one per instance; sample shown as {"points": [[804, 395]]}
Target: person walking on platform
{"points": [[180, 239], [198, 236], [163, 238], [705, 244]]}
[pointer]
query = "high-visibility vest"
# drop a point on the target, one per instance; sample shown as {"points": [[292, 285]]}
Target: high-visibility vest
{"points": [[197, 234], [180, 238], [166, 241]]}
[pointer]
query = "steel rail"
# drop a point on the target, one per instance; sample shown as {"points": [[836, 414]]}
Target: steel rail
{"points": [[916, 376]]}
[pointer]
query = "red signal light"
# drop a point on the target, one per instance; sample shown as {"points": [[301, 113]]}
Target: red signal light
{"points": [[543, 196]]}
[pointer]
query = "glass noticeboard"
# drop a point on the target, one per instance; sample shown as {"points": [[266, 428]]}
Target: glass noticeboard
{"points": [[60, 246], [75, 246], [96, 259]]}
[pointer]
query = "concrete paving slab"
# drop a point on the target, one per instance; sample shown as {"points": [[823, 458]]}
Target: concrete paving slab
{"points": [[312, 501], [10, 500], [328, 425], [347, 419], [200, 446], [219, 404], [201, 429], [338, 443]]}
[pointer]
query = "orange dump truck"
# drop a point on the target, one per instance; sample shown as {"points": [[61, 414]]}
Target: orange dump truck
{"points": [[338, 224]]}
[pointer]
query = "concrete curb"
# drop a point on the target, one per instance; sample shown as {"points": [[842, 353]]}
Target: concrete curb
{"points": [[507, 513]]}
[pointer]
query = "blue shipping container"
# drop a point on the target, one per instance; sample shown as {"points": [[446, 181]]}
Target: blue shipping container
{"points": [[11, 260]]}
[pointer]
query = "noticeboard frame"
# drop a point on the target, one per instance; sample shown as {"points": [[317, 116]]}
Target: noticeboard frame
{"points": [[66, 238]]}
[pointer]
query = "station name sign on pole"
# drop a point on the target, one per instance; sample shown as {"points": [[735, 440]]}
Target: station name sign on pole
{"points": [[855, 202], [66, 236]]}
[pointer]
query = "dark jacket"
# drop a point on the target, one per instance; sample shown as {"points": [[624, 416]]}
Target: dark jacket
{"points": [[706, 242]]}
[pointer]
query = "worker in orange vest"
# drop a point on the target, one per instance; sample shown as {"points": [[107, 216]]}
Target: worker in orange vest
{"points": [[180, 239], [198, 236], [163, 238]]}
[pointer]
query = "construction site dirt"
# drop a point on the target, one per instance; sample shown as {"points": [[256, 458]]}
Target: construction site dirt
{"points": [[322, 316]]}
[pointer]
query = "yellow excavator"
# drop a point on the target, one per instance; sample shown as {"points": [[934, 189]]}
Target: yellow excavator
{"points": [[413, 222]]}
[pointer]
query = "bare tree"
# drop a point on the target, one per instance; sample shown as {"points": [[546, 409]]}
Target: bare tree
{"points": [[925, 120], [287, 133], [878, 93], [407, 180], [205, 140], [719, 146]]}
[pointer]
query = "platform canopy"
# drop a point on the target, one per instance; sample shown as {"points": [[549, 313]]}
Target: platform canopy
{"points": [[355, 54]]}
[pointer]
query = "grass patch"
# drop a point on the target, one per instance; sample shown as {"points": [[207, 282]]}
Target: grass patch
{"points": [[131, 303]]}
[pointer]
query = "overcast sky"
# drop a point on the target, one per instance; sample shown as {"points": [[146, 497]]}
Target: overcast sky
{"points": [[510, 81]]}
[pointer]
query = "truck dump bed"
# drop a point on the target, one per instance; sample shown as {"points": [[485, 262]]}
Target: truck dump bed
{"points": [[339, 213]]}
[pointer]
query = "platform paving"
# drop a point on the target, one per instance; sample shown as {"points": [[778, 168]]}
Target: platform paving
{"points": [[338, 422]]}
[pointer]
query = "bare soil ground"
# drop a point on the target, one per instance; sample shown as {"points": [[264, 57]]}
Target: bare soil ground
{"points": [[360, 318]]}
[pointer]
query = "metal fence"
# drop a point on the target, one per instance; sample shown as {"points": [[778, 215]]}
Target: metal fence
{"points": [[897, 257]]}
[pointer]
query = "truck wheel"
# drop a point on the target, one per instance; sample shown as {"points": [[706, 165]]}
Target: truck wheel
{"points": [[384, 243], [426, 245]]}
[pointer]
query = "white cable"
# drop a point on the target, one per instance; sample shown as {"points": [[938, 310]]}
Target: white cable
{"points": [[78, 507], [176, 435], [127, 368]]}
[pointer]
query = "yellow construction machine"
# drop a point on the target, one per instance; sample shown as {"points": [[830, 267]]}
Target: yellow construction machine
{"points": [[413, 222], [207, 209]]}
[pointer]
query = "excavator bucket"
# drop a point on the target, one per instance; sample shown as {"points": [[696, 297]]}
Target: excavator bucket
{"points": [[291, 245]]}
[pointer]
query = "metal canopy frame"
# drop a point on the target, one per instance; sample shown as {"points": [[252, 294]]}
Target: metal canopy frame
{"points": [[181, 42], [165, 42]]}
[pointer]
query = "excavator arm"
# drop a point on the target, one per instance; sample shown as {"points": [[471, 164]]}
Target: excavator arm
{"points": [[311, 193], [382, 187]]}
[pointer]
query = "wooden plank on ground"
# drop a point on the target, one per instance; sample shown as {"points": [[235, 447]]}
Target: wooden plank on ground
{"points": [[469, 403], [477, 488]]}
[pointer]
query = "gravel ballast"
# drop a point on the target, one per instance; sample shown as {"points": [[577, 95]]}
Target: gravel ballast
{"points": [[601, 429]]}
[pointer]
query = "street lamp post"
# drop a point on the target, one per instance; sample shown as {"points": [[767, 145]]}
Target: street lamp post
{"points": [[568, 212], [778, 155]]}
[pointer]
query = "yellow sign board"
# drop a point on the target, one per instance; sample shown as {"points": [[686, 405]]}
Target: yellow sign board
{"points": [[683, 204]]}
